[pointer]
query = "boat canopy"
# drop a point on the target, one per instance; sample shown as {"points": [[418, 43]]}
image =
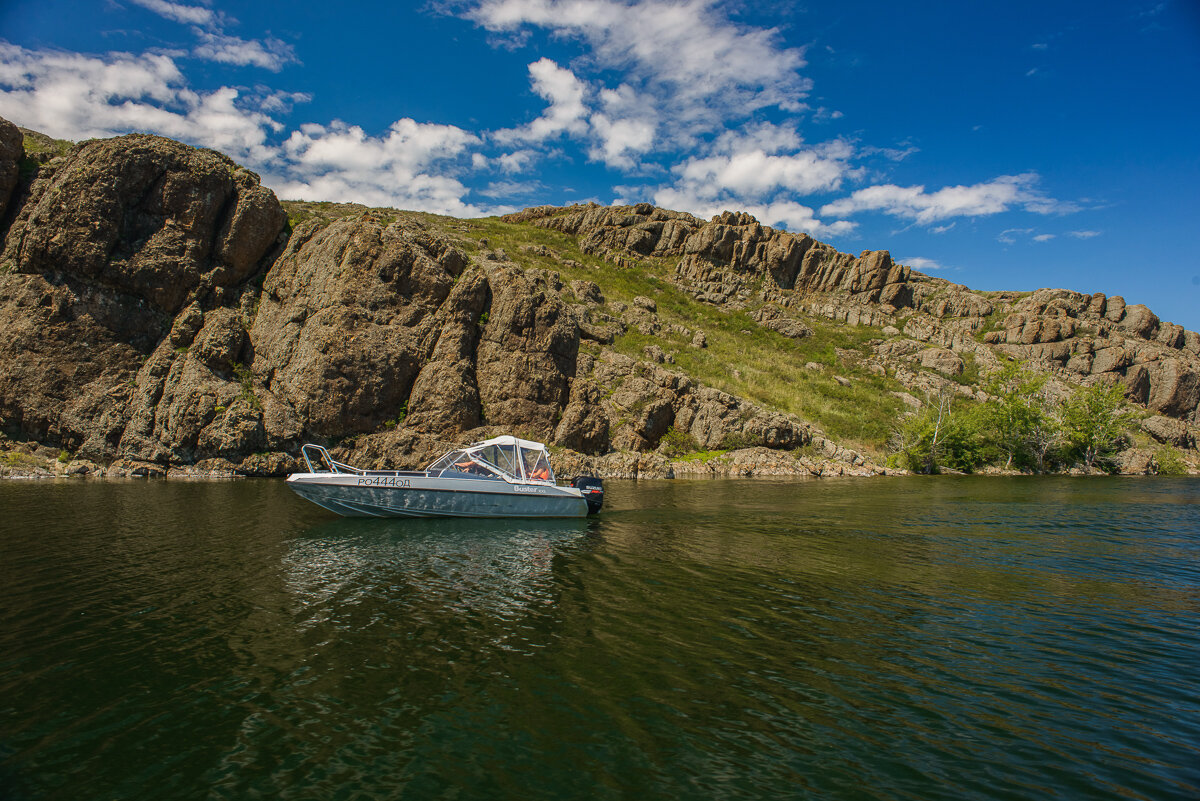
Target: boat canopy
{"points": [[506, 458]]}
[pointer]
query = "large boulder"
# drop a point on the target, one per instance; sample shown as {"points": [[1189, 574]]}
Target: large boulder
{"points": [[148, 217]]}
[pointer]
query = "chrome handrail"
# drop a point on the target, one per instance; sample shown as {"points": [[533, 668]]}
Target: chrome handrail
{"points": [[334, 466]]}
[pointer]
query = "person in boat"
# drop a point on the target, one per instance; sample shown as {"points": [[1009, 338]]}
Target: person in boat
{"points": [[536, 466], [466, 465]]}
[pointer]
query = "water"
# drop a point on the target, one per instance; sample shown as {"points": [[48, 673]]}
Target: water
{"points": [[880, 638]]}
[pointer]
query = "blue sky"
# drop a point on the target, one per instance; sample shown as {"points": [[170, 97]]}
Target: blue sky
{"points": [[1003, 145]]}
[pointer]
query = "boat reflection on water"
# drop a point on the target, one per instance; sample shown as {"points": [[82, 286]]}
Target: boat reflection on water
{"points": [[343, 569]]}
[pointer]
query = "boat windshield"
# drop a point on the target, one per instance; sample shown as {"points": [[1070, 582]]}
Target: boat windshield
{"points": [[502, 456], [460, 462]]}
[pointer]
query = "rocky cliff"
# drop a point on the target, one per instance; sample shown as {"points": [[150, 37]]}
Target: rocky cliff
{"points": [[162, 314]]}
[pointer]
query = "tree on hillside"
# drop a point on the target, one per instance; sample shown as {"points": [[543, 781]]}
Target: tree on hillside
{"points": [[1027, 422], [1021, 417], [1095, 421], [947, 433]]}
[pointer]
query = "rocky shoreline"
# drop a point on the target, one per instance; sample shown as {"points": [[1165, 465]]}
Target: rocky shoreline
{"points": [[165, 316]]}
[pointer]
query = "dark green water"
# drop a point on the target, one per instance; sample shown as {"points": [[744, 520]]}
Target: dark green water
{"points": [[885, 638]]}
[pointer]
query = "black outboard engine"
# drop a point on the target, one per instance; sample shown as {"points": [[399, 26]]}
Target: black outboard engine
{"points": [[593, 492]]}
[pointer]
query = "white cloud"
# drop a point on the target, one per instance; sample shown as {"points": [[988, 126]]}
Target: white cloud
{"points": [[76, 96], [765, 136], [913, 202], [624, 129], [566, 112], [780, 213], [189, 15], [762, 169], [216, 45], [517, 161], [1043, 237], [1083, 234], [271, 54], [406, 168], [699, 68], [756, 173], [1009, 235], [941, 229], [511, 188], [922, 265]]}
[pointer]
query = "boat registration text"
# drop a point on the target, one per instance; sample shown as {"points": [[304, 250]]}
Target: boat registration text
{"points": [[384, 481]]}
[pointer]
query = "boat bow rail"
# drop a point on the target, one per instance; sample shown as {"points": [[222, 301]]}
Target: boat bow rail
{"points": [[322, 456]]}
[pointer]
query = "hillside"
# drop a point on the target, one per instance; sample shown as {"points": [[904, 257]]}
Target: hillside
{"points": [[164, 313]]}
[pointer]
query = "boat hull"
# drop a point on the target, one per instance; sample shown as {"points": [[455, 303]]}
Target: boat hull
{"points": [[416, 495]]}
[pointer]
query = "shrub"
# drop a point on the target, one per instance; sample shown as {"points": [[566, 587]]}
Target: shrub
{"points": [[736, 441], [1169, 462], [677, 443]]}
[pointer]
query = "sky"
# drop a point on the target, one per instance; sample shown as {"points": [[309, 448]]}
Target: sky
{"points": [[1001, 145]]}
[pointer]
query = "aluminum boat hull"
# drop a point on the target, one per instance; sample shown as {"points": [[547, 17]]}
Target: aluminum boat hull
{"points": [[400, 494]]}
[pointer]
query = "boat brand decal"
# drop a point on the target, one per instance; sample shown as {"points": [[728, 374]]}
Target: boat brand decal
{"points": [[384, 481], [539, 490]]}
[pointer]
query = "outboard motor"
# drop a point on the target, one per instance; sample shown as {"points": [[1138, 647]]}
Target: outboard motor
{"points": [[593, 492]]}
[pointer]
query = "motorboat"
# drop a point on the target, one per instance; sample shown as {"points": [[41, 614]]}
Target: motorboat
{"points": [[499, 477]]}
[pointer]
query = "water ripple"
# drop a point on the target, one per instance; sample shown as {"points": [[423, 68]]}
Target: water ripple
{"points": [[908, 639]]}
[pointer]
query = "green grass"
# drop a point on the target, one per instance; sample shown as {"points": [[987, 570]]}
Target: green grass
{"points": [[38, 144], [742, 358]]}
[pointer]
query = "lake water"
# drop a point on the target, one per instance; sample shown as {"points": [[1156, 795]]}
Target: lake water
{"points": [[956, 638]]}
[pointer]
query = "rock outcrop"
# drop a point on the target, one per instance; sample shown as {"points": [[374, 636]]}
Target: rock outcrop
{"points": [[12, 150], [161, 316]]}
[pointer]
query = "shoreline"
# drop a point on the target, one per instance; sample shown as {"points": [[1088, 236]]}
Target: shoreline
{"points": [[744, 463]]}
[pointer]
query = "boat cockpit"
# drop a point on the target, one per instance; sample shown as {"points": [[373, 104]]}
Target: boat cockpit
{"points": [[501, 458]]}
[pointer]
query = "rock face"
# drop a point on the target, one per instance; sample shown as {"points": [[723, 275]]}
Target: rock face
{"points": [[113, 242], [12, 149], [160, 316], [147, 217]]}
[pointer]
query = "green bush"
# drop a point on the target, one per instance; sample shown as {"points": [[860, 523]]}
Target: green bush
{"points": [[948, 433], [1169, 462], [737, 441], [677, 443]]}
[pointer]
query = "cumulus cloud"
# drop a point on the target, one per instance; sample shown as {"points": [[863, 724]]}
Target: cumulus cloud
{"points": [[755, 173], [77, 96], [405, 168], [271, 54], [566, 112], [762, 170], [913, 202], [699, 68], [624, 130], [922, 265]]}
